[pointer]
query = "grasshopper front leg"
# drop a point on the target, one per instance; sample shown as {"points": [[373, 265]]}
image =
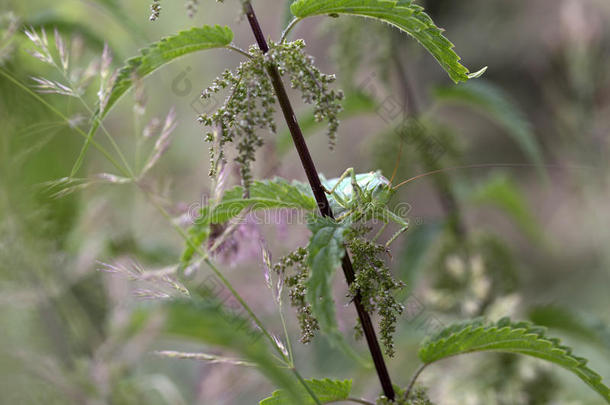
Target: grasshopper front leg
{"points": [[348, 172]]}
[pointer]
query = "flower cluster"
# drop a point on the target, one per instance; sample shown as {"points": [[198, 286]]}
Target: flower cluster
{"points": [[376, 286], [155, 10], [313, 84], [249, 107], [418, 396], [251, 103], [298, 291]]}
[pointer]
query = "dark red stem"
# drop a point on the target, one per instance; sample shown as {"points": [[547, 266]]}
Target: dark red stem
{"points": [[320, 195]]}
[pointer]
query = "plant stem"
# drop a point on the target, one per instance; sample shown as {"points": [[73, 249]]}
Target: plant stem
{"points": [[351, 399], [66, 119], [320, 195], [307, 387], [217, 273], [413, 379], [288, 29], [239, 50]]}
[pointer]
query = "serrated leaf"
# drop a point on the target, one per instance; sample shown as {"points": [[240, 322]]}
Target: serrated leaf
{"points": [[152, 58], [495, 103], [325, 253], [207, 321], [509, 337], [264, 195], [163, 52], [326, 250], [325, 390], [406, 16]]}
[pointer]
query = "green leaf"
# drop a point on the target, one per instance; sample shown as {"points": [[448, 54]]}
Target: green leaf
{"points": [[502, 192], [406, 16], [163, 52], [264, 195], [495, 103], [325, 390], [354, 104], [325, 253], [207, 321], [152, 58], [581, 325], [506, 336]]}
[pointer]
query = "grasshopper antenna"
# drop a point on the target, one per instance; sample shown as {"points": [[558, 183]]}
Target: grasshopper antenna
{"points": [[398, 158], [487, 165]]}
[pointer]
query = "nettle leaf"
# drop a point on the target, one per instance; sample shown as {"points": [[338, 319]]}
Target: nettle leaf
{"points": [[264, 195], [209, 322], [163, 52], [325, 390], [152, 58], [509, 337], [496, 104], [404, 15], [326, 250]]}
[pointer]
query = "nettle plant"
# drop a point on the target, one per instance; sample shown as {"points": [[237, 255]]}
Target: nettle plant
{"points": [[341, 211]]}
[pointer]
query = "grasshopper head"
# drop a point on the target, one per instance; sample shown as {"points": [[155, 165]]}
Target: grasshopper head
{"points": [[382, 189]]}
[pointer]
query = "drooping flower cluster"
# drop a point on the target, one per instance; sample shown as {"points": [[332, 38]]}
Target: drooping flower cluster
{"points": [[248, 108], [250, 105], [376, 286], [155, 10], [298, 291], [313, 84]]}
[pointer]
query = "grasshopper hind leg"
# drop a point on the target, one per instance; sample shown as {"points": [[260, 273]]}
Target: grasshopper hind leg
{"points": [[402, 230]]}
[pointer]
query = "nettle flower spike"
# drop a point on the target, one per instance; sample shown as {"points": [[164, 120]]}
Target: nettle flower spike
{"points": [[297, 290], [375, 284], [313, 85], [251, 103], [155, 10]]}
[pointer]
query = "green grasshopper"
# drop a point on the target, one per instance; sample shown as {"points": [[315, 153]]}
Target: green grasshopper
{"points": [[364, 197]]}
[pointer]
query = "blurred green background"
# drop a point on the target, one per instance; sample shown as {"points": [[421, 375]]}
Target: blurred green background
{"points": [[536, 236]]}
